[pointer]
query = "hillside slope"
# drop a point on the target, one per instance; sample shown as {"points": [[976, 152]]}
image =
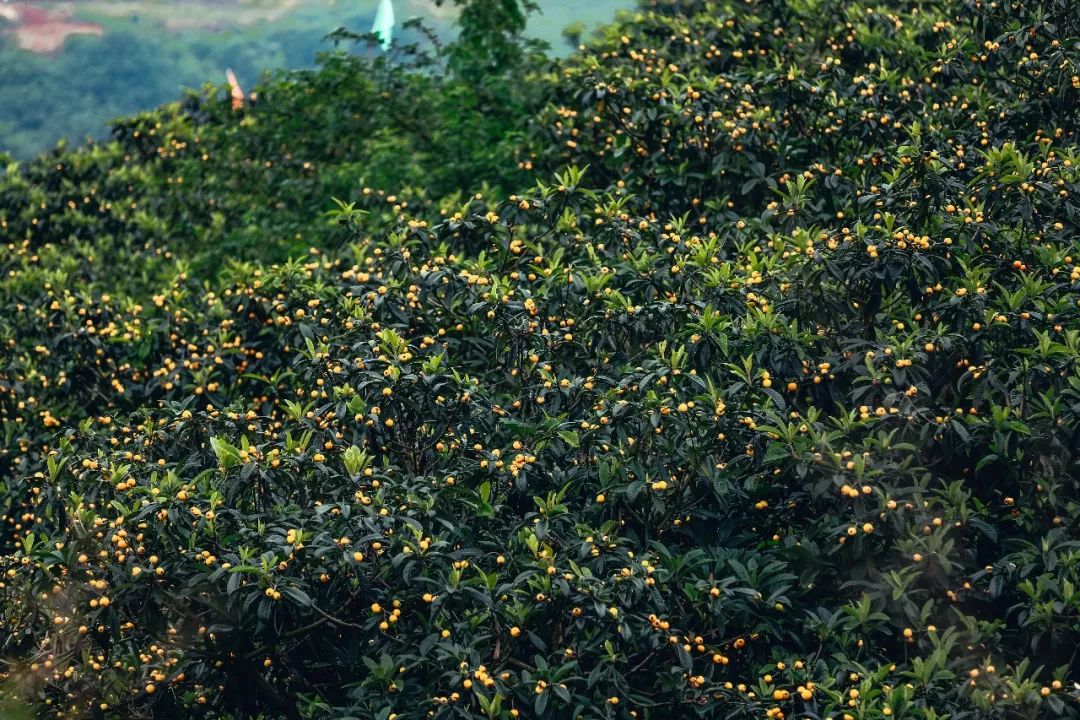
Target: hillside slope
{"points": [[729, 368]]}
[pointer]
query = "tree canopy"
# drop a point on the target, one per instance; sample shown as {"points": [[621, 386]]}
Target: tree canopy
{"points": [[729, 367]]}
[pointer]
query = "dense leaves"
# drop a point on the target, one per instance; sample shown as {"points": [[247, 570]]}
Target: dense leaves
{"points": [[763, 400]]}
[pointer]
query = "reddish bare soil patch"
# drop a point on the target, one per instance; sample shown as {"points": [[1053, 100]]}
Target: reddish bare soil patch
{"points": [[43, 31]]}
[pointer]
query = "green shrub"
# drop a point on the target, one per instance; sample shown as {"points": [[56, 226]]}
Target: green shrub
{"points": [[767, 404]]}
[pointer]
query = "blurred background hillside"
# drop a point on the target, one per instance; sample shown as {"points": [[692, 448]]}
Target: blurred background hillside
{"points": [[68, 67]]}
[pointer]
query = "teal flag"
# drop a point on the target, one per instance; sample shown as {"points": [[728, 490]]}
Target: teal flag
{"points": [[384, 23]]}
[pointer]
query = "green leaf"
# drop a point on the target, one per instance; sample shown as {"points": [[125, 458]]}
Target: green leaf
{"points": [[571, 438], [228, 456], [775, 452], [355, 459]]}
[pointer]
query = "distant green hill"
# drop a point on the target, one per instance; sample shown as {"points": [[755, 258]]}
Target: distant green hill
{"points": [[140, 64]]}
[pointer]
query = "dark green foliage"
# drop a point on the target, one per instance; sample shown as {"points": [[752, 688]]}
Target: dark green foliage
{"points": [[764, 401]]}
